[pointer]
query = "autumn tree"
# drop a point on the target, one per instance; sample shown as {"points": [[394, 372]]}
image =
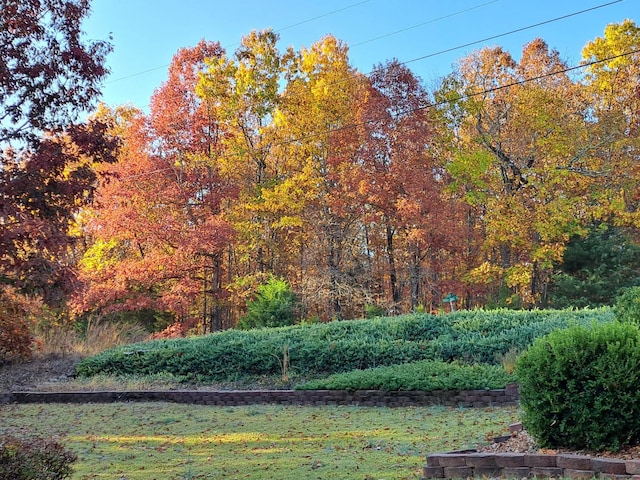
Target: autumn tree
{"points": [[244, 90], [402, 187], [42, 189], [612, 139], [282, 114], [361, 190], [316, 127], [515, 124], [156, 222], [48, 76], [597, 266]]}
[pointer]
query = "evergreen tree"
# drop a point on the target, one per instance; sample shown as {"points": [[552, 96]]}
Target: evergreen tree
{"points": [[595, 269]]}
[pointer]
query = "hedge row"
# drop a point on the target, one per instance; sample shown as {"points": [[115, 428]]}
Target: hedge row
{"points": [[425, 375], [318, 350]]}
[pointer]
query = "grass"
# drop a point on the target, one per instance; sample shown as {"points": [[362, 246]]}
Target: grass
{"points": [[165, 441], [167, 381]]}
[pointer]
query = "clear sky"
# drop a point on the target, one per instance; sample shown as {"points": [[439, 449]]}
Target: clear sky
{"points": [[147, 33]]}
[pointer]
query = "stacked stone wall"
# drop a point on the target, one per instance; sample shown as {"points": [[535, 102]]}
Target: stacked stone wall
{"points": [[368, 398], [470, 464]]}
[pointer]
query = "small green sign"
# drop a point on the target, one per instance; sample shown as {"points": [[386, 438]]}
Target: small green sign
{"points": [[450, 298]]}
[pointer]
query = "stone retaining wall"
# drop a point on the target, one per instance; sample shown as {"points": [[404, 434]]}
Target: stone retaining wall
{"points": [[474, 464], [372, 398], [522, 465]]}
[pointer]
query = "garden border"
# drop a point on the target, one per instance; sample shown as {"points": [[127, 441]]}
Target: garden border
{"points": [[475, 464], [366, 398]]}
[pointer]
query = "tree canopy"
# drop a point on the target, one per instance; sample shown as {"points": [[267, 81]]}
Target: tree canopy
{"points": [[48, 77], [358, 191]]}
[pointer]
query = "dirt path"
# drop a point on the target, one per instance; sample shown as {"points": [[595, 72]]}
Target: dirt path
{"points": [[32, 375]]}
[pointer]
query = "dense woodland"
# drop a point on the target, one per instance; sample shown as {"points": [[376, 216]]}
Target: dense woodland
{"points": [[515, 182]]}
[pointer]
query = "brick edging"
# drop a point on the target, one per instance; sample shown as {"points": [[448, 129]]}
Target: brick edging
{"points": [[470, 463], [374, 398]]}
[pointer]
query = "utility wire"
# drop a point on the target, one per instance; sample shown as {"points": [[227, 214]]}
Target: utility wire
{"points": [[411, 27], [528, 27], [414, 26], [434, 104], [458, 47], [444, 17], [322, 16], [302, 22], [511, 32]]}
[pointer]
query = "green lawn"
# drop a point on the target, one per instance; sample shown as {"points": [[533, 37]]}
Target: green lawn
{"points": [[166, 441]]}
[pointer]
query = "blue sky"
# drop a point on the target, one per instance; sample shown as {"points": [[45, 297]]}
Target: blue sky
{"points": [[146, 34]]}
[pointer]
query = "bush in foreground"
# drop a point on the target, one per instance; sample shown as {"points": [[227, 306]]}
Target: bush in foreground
{"points": [[579, 387], [34, 459], [425, 375]]}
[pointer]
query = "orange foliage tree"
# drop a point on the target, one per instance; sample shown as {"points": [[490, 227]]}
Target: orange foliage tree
{"points": [[156, 226], [361, 189], [412, 223]]}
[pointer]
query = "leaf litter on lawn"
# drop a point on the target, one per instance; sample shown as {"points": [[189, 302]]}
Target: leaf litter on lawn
{"points": [[143, 441]]}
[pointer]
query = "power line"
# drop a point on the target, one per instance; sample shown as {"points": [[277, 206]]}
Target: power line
{"points": [[444, 17], [322, 16], [528, 27], [493, 37], [411, 27], [435, 104], [511, 32], [279, 30]]}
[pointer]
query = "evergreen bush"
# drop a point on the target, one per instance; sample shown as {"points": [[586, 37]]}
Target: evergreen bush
{"points": [[579, 387], [424, 375], [334, 347], [627, 307], [273, 306]]}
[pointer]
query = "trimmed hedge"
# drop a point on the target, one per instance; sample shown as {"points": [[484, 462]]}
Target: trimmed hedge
{"points": [[426, 375], [322, 349], [579, 387]]}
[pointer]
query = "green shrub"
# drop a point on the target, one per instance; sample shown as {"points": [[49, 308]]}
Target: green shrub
{"points": [[335, 347], [579, 387], [34, 459], [424, 375], [627, 307], [274, 306], [373, 311]]}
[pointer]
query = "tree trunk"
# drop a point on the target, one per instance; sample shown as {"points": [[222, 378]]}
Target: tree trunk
{"points": [[393, 278]]}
